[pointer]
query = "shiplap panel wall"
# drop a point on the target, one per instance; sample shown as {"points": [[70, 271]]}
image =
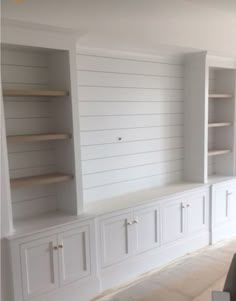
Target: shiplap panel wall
{"points": [[24, 69], [131, 121]]}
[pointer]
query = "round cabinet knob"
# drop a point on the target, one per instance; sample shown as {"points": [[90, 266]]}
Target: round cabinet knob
{"points": [[188, 205], [119, 138], [183, 207], [129, 223], [60, 246], [55, 248], [135, 221]]}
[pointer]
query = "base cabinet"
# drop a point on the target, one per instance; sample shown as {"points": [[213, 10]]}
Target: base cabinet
{"points": [[39, 266], [49, 263], [223, 210]]}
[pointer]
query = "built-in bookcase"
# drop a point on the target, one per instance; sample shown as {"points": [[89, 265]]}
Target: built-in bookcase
{"points": [[221, 117], [38, 117]]}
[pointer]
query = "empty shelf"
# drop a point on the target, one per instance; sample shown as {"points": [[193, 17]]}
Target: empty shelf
{"points": [[221, 96], [40, 180], [40, 93], [218, 152], [219, 124], [37, 137]]}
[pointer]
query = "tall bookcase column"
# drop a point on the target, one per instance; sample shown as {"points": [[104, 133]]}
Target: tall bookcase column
{"points": [[45, 91], [221, 142], [196, 117]]}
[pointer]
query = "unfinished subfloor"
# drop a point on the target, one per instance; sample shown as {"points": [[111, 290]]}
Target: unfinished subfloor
{"points": [[193, 277]]}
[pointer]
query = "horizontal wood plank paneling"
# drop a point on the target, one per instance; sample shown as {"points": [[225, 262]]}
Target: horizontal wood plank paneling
{"points": [[108, 79], [128, 94], [127, 122], [124, 188], [114, 136], [131, 118], [127, 66], [132, 147], [113, 163], [129, 108], [28, 70]]}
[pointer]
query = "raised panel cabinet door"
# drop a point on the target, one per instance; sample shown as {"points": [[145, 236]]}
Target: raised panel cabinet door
{"points": [[147, 229], [39, 260], [116, 239], [74, 255], [197, 210], [173, 221], [220, 203]]}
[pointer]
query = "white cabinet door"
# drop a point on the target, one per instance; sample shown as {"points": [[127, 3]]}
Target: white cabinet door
{"points": [[231, 195], [39, 262], [147, 229], [197, 212], [74, 255], [116, 238], [221, 205], [173, 221]]}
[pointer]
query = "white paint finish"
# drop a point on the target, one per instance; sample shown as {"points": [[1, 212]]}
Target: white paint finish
{"points": [[120, 248], [129, 108], [128, 94], [106, 164], [147, 229], [128, 66], [74, 255], [128, 148], [118, 190], [126, 122], [108, 79], [116, 176], [39, 267], [131, 115], [113, 136], [197, 213], [174, 212], [196, 118]]}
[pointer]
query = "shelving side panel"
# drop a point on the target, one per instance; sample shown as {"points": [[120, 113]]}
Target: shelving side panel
{"points": [[196, 118]]}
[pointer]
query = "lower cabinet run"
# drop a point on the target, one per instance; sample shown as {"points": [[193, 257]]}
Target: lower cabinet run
{"points": [[75, 262], [136, 240], [54, 261], [223, 211]]}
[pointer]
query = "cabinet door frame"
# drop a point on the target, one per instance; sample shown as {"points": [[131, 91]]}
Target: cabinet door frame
{"points": [[204, 215], [225, 187], [176, 201], [51, 240], [127, 217], [87, 254], [155, 209]]}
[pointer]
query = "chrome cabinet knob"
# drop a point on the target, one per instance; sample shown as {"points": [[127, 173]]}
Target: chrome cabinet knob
{"points": [[55, 248], [60, 246], [135, 221], [129, 223]]}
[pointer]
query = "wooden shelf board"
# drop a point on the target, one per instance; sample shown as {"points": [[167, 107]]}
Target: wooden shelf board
{"points": [[218, 152], [40, 180], [40, 93], [219, 124], [220, 96], [38, 137]]}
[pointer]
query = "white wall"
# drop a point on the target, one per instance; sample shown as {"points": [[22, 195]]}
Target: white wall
{"points": [[131, 121], [137, 24]]}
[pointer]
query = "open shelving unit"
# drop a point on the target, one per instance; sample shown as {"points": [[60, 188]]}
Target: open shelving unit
{"points": [[39, 130], [221, 118]]}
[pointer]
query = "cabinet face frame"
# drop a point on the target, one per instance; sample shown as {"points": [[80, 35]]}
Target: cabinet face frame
{"points": [[51, 241], [156, 216], [84, 232], [124, 218]]}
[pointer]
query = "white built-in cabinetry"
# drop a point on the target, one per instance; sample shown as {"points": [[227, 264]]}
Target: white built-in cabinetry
{"points": [[156, 176]]}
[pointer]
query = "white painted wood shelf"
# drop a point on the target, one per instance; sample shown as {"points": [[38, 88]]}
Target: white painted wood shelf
{"points": [[220, 96], [38, 137], [38, 93], [40, 180], [218, 152], [219, 124]]}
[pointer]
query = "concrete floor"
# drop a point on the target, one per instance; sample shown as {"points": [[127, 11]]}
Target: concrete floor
{"points": [[191, 278]]}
